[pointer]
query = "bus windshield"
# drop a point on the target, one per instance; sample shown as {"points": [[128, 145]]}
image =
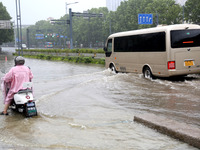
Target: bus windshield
{"points": [[185, 38]]}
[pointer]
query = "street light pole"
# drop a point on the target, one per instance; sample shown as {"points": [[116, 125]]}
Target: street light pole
{"points": [[19, 27], [69, 4], [70, 18]]}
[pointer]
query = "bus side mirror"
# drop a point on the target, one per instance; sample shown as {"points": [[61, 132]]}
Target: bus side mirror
{"points": [[105, 49]]}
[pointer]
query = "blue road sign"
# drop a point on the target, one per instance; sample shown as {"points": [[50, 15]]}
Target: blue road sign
{"points": [[145, 18], [39, 36], [17, 40]]}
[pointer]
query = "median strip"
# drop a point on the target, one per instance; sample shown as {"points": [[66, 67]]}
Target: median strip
{"points": [[88, 56]]}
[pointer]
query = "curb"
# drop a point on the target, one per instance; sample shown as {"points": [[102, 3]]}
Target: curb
{"points": [[182, 131]]}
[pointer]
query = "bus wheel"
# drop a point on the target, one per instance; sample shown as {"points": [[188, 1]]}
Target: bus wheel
{"points": [[112, 67], [147, 73]]}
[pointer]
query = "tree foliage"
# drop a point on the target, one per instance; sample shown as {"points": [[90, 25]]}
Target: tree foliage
{"points": [[192, 11], [92, 32], [6, 35]]}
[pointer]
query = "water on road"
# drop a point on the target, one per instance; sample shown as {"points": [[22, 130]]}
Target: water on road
{"points": [[87, 107]]}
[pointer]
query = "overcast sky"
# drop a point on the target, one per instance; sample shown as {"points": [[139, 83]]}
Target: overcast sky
{"points": [[35, 10]]}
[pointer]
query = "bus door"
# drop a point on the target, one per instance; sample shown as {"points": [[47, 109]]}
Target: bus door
{"points": [[108, 52], [108, 48], [185, 50]]}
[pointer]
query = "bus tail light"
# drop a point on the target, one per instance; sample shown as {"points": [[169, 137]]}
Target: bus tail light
{"points": [[171, 65]]}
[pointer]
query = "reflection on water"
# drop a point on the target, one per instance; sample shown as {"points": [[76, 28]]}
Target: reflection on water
{"points": [[87, 107]]}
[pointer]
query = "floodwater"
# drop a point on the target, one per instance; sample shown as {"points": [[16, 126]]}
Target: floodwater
{"points": [[87, 107]]}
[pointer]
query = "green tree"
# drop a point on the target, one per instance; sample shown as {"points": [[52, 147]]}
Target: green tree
{"points": [[46, 28], [126, 15], [89, 31], [93, 31], [167, 10], [192, 11], [6, 35]]}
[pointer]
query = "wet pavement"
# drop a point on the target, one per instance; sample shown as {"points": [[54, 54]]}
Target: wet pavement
{"points": [[87, 107]]}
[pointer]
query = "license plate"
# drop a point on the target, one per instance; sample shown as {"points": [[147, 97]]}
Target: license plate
{"points": [[30, 104], [189, 62]]}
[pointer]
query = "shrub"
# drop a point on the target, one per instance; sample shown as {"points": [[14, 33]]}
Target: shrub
{"points": [[48, 57]]}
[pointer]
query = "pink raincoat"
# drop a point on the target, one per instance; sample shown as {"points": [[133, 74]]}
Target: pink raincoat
{"points": [[14, 80]]}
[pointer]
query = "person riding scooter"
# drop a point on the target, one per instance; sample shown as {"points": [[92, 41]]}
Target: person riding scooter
{"points": [[14, 80]]}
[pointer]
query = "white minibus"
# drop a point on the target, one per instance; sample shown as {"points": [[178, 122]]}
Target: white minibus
{"points": [[163, 51]]}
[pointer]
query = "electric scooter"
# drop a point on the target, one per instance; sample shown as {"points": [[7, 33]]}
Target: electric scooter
{"points": [[24, 102]]}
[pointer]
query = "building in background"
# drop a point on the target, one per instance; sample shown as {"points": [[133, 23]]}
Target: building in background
{"points": [[113, 4]]}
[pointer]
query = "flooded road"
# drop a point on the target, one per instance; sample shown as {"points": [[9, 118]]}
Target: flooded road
{"points": [[87, 107]]}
